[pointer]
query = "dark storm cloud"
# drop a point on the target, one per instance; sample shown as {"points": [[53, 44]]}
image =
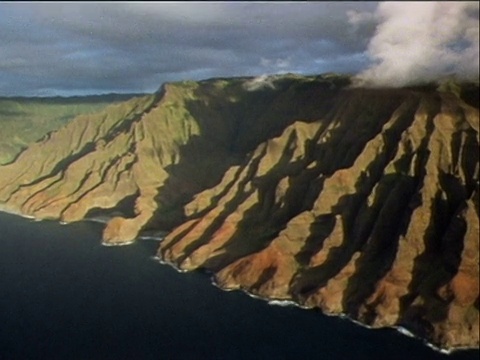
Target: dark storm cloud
{"points": [[49, 48], [71, 48]]}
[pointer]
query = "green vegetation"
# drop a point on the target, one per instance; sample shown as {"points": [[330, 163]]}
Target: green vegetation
{"points": [[26, 120]]}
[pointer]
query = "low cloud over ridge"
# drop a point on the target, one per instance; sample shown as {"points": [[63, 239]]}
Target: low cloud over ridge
{"points": [[417, 42]]}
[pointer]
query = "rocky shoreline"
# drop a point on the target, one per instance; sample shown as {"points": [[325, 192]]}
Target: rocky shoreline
{"points": [[270, 301]]}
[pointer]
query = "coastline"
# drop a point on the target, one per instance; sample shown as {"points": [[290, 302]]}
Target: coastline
{"points": [[290, 303], [156, 236], [271, 301]]}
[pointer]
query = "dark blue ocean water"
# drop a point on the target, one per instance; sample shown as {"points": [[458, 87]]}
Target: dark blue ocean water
{"points": [[64, 296]]}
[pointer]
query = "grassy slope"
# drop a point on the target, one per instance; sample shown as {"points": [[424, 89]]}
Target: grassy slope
{"points": [[26, 120]]}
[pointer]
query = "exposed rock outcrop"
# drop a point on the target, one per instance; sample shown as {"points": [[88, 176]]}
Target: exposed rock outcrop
{"points": [[356, 201], [142, 153], [372, 211]]}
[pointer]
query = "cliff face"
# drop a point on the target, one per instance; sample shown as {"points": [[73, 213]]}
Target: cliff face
{"points": [[151, 154], [356, 201], [372, 210]]}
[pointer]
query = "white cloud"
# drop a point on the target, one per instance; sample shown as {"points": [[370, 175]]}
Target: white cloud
{"points": [[357, 18], [260, 82], [423, 41]]}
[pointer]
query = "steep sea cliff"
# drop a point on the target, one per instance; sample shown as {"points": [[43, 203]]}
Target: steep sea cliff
{"points": [[361, 202]]}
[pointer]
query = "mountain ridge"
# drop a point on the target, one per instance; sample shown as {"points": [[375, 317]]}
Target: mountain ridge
{"points": [[356, 201]]}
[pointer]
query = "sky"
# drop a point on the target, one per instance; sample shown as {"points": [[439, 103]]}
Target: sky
{"points": [[70, 48]]}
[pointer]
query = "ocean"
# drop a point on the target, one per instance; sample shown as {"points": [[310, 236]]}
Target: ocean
{"points": [[65, 296]]}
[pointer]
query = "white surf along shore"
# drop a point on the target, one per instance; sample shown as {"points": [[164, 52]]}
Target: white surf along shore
{"points": [[146, 235], [160, 235]]}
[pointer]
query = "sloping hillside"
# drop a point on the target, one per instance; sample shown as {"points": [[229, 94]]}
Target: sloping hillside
{"points": [[26, 120], [356, 201]]}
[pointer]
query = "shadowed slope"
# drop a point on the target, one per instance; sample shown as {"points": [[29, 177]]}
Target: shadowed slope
{"points": [[357, 201], [363, 211]]}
